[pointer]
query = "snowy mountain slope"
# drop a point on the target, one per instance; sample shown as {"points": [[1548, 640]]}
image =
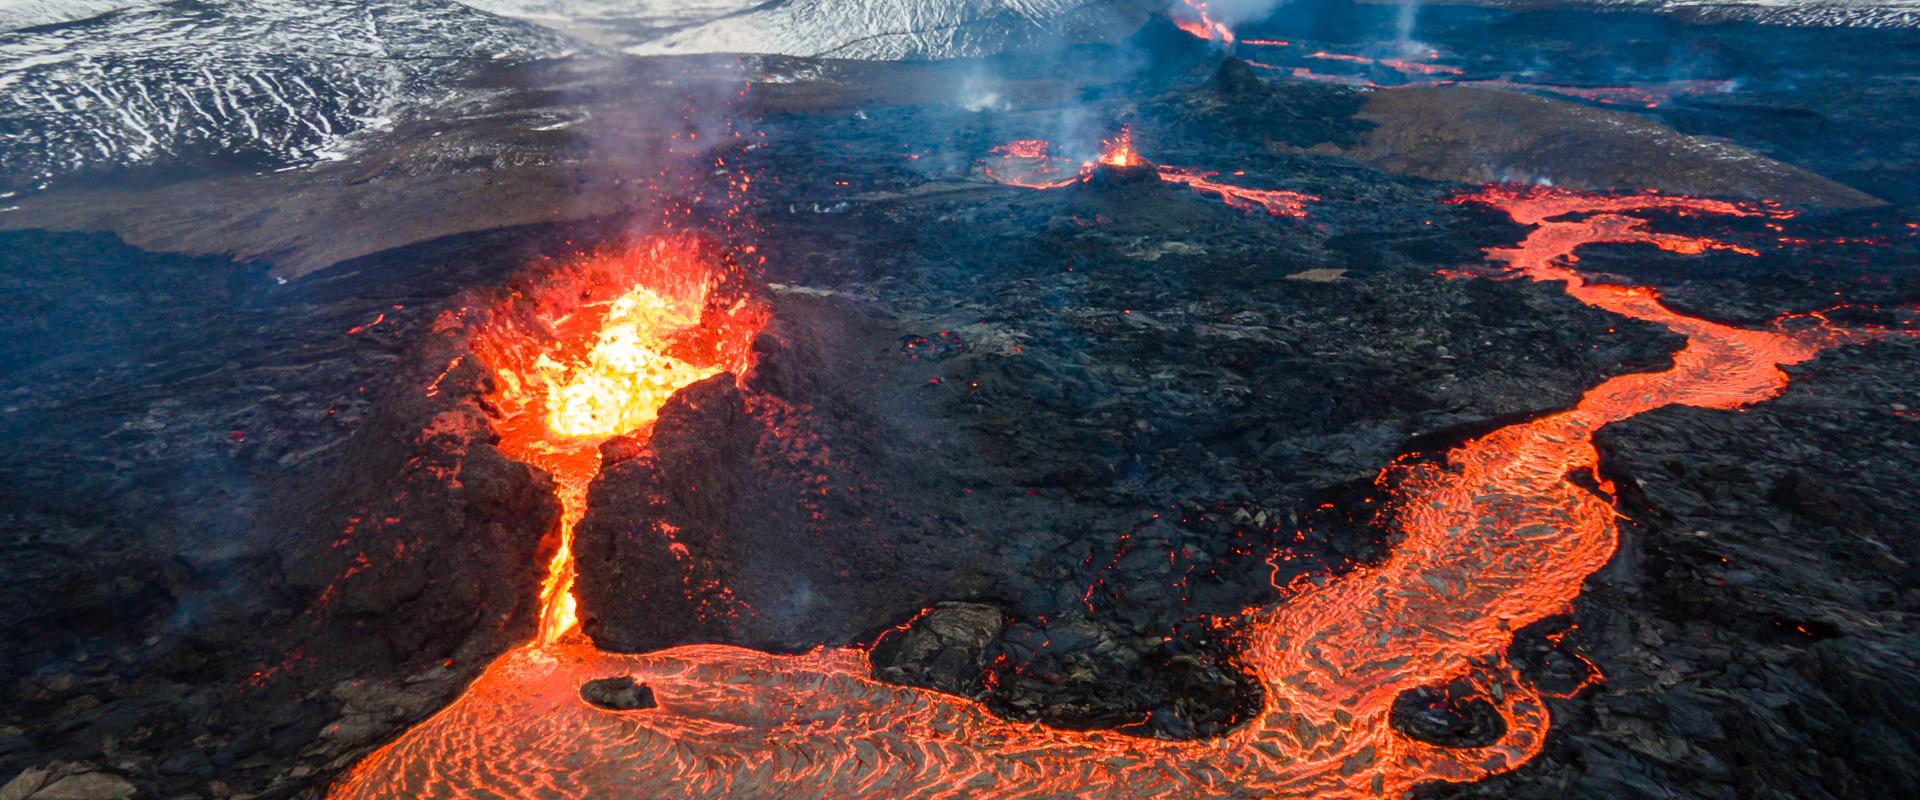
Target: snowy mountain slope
{"points": [[903, 29], [265, 82], [615, 23], [16, 14]]}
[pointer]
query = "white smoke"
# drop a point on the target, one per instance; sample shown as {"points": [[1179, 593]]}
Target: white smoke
{"points": [[1403, 25]]}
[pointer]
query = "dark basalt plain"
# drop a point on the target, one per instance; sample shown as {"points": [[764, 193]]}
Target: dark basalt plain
{"points": [[1069, 426]]}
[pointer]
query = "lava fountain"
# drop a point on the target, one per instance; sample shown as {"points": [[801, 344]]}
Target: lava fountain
{"points": [[1493, 539]]}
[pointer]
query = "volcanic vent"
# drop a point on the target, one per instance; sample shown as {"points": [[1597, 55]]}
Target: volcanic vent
{"points": [[590, 348], [1038, 164]]}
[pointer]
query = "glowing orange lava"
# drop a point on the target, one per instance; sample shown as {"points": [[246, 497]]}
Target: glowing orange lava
{"points": [[1403, 66], [1119, 152], [1490, 542], [1277, 202], [1193, 17], [1030, 163]]}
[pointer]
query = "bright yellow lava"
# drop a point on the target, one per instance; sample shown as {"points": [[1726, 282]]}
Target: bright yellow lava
{"points": [[626, 378]]}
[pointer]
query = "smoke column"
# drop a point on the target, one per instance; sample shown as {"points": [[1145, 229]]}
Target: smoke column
{"points": [[1403, 25]]}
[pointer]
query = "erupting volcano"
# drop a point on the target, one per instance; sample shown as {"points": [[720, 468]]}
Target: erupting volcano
{"points": [[1492, 540], [959, 399], [1031, 163]]}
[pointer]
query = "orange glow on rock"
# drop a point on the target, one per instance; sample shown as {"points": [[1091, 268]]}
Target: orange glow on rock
{"points": [[1030, 163], [1492, 540]]}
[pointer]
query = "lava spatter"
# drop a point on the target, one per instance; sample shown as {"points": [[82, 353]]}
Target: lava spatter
{"points": [[1492, 540]]}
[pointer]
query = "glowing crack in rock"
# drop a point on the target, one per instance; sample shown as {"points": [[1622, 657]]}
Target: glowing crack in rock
{"points": [[1496, 538]]}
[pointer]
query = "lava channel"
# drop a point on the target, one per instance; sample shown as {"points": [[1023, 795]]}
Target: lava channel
{"points": [[1495, 539]]}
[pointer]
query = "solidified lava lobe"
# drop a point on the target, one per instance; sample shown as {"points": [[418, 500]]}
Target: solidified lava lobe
{"points": [[1494, 539]]}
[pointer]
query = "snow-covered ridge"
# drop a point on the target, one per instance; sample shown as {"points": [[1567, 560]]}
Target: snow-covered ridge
{"points": [[273, 82], [863, 29], [902, 29], [16, 14], [1799, 13], [615, 24]]}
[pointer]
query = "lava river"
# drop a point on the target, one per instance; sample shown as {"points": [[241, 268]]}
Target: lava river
{"points": [[1494, 540]]}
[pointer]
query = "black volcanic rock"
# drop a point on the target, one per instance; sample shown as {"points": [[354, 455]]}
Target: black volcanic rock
{"points": [[813, 504], [424, 539], [1760, 609], [619, 694], [648, 587], [1105, 176], [169, 593], [1235, 80], [1235, 105], [1447, 716], [948, 648]]}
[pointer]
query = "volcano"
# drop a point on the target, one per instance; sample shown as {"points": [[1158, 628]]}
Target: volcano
{"points": [[1370, 402]]}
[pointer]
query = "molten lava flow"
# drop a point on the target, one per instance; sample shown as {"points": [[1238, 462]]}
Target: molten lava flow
{"points": [[1493, 540], [1277, 202], [1410, 67]]}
